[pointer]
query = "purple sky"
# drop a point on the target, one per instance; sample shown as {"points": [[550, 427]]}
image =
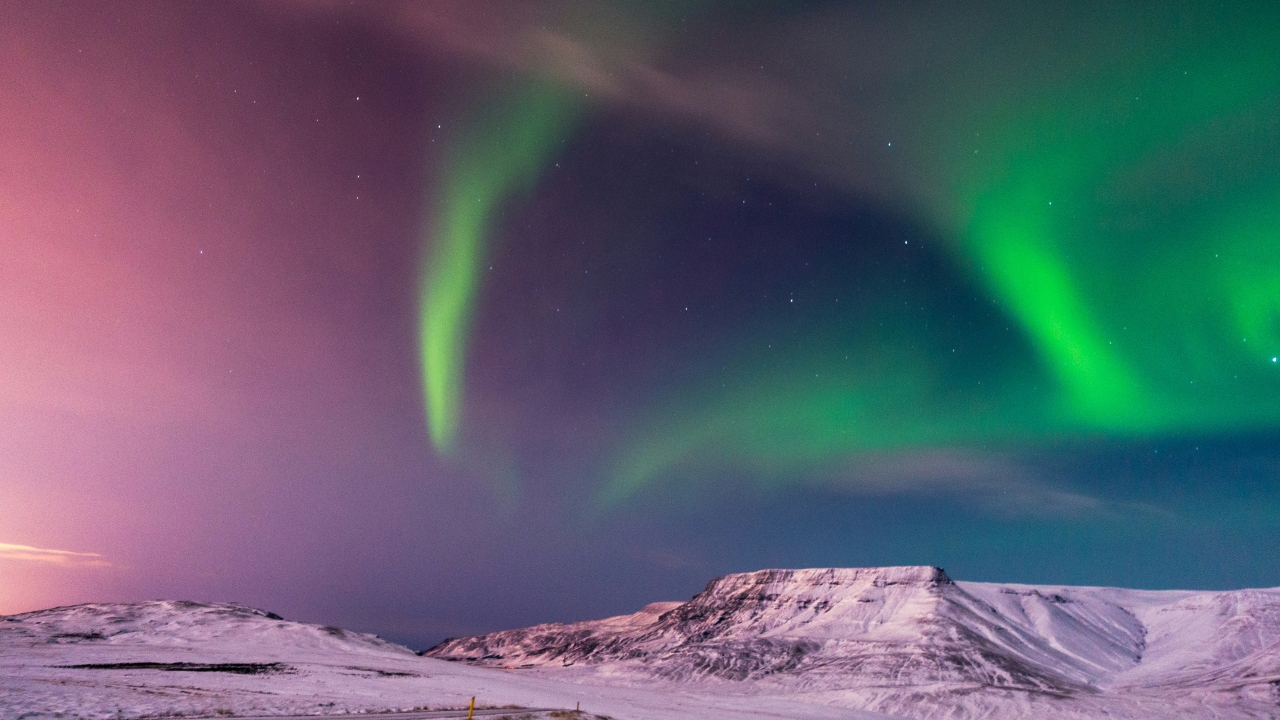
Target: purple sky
{"points": [[211, 233]]}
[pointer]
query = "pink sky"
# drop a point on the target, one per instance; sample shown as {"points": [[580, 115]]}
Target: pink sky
{"points": [[181, 267]]}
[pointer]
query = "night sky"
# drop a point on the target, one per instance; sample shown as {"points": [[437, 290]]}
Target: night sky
{"points": [[435, 318]]}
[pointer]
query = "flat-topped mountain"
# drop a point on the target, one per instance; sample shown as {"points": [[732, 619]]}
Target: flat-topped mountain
{"points": [[910, 640]]}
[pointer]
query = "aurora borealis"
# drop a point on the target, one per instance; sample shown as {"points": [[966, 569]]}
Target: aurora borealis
{"points": [[500, 155], [1150, 166], [458, 301]]}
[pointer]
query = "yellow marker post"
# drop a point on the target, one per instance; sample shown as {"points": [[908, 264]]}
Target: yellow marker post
{"points": [[472, 708]]}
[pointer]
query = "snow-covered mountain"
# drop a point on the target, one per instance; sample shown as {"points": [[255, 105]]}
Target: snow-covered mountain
{"points": [[909, 641]]}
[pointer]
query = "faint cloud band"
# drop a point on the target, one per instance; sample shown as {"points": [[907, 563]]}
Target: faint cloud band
{"points": [[46, 556]]}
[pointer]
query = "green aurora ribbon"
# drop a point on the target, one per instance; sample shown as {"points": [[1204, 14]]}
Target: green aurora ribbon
{"points": [[499, 157]]}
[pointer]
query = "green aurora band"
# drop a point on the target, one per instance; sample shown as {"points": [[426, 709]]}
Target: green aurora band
{"points": [[500, 156], [1127, 221], [1119, 227]]}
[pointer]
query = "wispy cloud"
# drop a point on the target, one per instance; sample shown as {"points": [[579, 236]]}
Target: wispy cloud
{"points": [[45, 556], [609, 64], [995, 484]]}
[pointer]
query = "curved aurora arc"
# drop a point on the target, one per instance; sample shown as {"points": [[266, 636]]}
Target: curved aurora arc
{"points": [[499, 157], [1132, 238]]}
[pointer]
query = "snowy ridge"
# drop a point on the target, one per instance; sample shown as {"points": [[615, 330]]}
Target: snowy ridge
{"points": [[910, 641]]}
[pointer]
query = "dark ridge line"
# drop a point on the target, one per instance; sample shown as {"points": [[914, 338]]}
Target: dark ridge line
{"points": [[235, 668]]}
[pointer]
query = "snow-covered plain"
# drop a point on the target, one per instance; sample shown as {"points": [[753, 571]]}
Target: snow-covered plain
{"points": [[826, 643]]}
